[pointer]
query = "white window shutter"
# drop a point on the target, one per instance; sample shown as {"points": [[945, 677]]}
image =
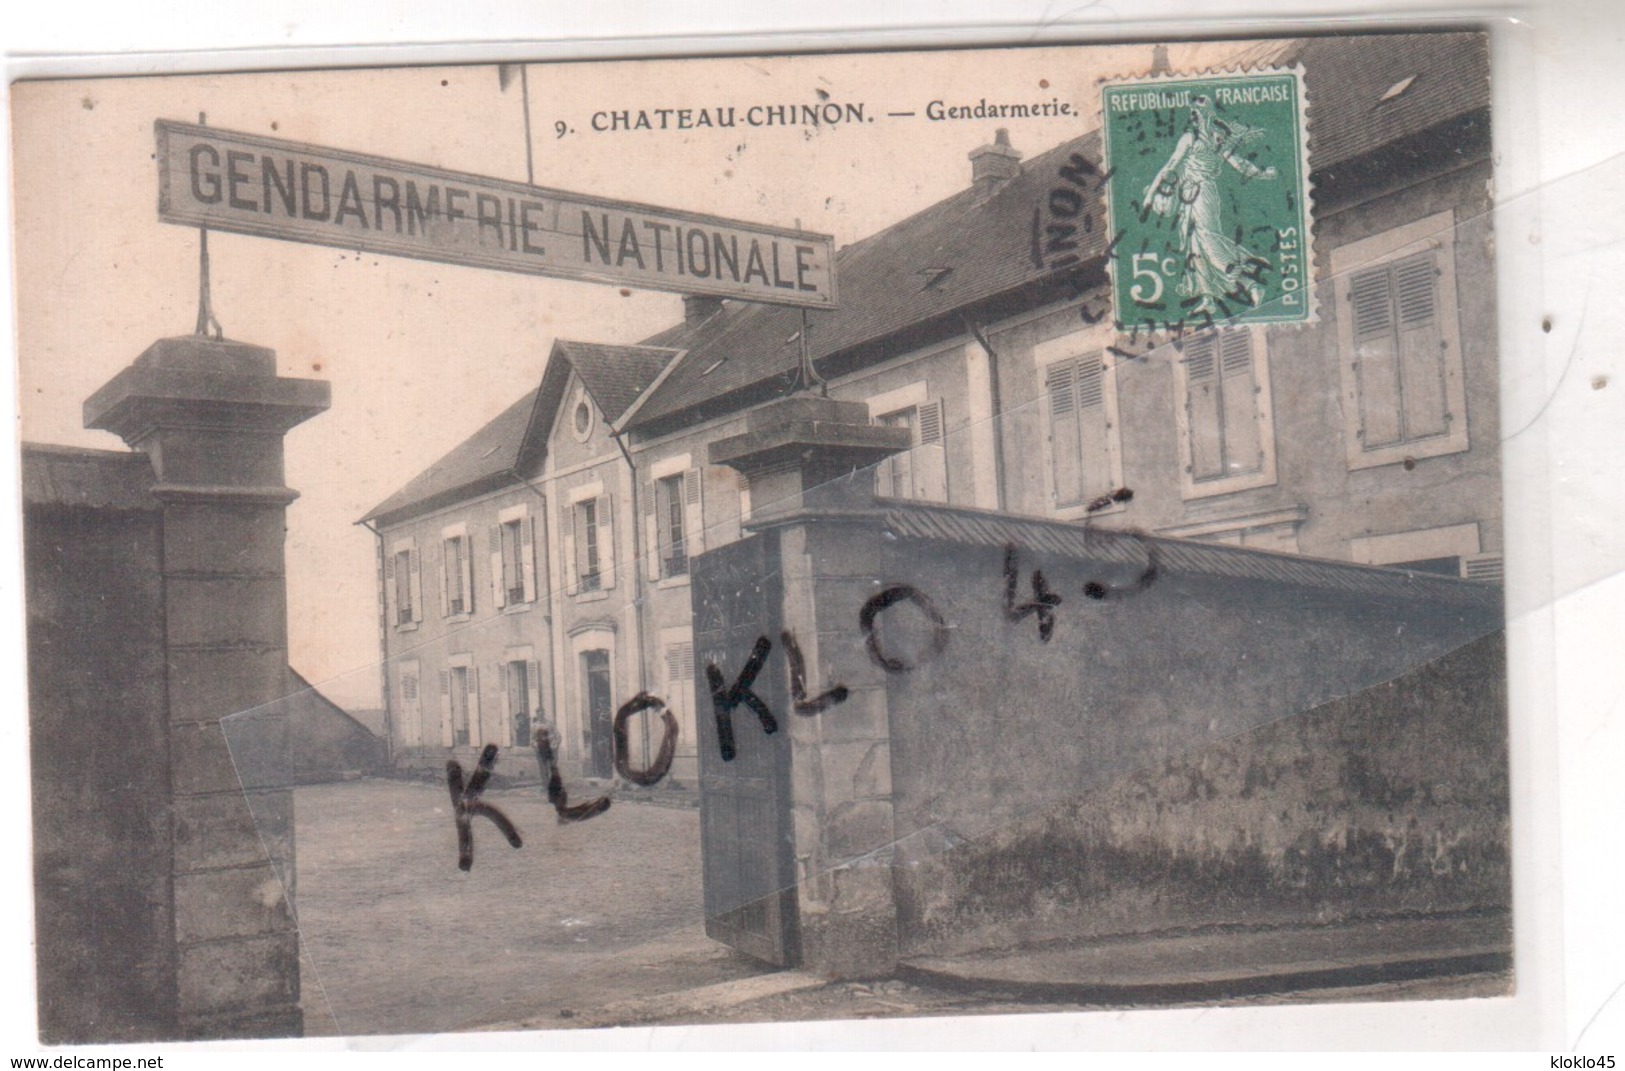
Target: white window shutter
{"points": [[476, 731], [1203, 410], [505, 694], [444, 564], [693, 513], [390, 610], [572, 569], [447, 737], [931, 467], [1376, 356], [527, 555], [410, 727], [417, 584], [651, 530], [493, 547], [1060, 383], [468, 574], [607, 550], [1243, 441], [533, 680]]}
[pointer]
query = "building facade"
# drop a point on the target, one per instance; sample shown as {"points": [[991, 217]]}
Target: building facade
{"points": [[538, 574]]}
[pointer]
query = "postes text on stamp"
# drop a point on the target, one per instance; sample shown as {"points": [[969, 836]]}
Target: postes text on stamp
{"points": [[1209, 200]]}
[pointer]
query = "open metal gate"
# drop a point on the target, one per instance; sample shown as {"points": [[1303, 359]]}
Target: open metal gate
{"points": [[745, 831]]}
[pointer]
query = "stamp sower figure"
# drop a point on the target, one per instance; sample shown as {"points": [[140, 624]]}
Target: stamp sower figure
{"points": [[1187, 187]]}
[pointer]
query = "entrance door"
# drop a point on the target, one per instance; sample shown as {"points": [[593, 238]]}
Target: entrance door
{"points": [[600, 718], [745, 831], [459, 706], [519, 702]]}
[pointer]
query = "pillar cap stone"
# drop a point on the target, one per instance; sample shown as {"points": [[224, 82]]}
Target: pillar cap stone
{"points": [[193, 380], [808, 431]]}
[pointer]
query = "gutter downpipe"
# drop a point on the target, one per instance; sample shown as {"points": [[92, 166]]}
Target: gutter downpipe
{"points": [[639, 603], [996, 402], [383, 647]]}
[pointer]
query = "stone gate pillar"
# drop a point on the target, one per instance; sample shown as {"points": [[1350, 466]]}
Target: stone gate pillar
{"points": [[808, 461], [211, 416]]}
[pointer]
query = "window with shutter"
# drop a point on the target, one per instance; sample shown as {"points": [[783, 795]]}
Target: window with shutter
{"points": [[416, 561], [589, 576], [931, 455], [670, 511], [391, 596], [458, 705], [1082, 438], [693, 512], [402, 570], [606, 541], [516, 701], [1226, 416], [409, 725], [1065, 439], [894, 477], [513, 568], [1403, 392], [448, 735], [454, 575], [921, 472], [527, 556]]}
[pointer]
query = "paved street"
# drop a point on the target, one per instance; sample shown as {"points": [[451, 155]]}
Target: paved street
{"points": [[398, 940]]}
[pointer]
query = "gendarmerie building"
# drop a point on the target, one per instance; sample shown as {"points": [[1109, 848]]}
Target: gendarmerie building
{"points": [[539, 571]]}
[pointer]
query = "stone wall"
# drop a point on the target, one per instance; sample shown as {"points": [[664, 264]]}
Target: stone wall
{"points": [[104, 909], [1391, 802]]}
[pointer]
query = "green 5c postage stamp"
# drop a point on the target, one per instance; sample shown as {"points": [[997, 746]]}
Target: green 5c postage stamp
{"points": [[1209, 198]]}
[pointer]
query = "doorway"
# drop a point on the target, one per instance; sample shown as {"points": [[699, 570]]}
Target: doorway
{"points": [[600, 715]]}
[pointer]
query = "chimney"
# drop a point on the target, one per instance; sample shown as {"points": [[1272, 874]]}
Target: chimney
{"points": [[993, 165], [698, 308]]}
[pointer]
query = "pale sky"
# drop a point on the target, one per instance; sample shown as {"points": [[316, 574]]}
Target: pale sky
{"points": [[420, 355]]}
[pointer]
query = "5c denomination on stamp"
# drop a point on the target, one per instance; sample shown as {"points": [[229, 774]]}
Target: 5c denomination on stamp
{"points": [[1209, 200]]}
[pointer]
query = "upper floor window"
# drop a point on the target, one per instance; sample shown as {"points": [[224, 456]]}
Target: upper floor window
{"points": [[921, 472], [1226, 435], [673, 518], [589, 545], [589, 562], [511, 546], [1085, 455], [403, 586], [456, 572], [669, 509], [1403, 395], [513, 571]]}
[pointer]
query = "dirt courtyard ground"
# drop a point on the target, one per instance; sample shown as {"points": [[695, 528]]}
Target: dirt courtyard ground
{"points": [[398, 940]]}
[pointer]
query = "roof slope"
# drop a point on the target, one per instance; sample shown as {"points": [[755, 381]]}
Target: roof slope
{"points": [[970, 247], [614, 375], [1347, 78], [485, 457], [957, 252], [95, 479]]}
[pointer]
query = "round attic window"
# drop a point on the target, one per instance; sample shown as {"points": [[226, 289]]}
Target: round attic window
{"points": [[582, 418]]}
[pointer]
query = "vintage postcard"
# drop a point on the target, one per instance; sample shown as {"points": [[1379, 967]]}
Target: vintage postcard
{"points": [[763, 539]]}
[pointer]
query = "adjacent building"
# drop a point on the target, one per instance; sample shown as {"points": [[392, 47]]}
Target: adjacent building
{"points": [[538, 573]]}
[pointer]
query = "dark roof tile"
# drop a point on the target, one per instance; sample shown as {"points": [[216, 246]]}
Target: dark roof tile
{"points": [[96, 479], [487, 455], [614, 375], [1347, 77]]}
